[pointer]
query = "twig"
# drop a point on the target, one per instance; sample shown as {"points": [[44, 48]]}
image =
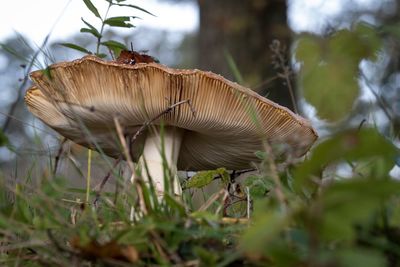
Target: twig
{"points": [[248, 202], [264, 82], [280, 62], [23, 84], [380, 101], [275, 176], [56, 244], [167, 110], [27, 124], [361, 124], [137, 181], [98, 188], [28, 70], [57, 158], [212, 199], [162, 248]]}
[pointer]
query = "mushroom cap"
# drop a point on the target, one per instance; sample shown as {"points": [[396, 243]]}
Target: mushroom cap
{"points": [[80, 99]]}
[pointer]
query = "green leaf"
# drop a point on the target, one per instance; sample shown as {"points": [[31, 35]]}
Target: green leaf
{"points": [[204, 178], [101, 55], [76, 47], [47, 72], [360, 257], [258, 186], [351, 145], [114, 46], [91, 29], [265, 228], [233, 67], [122, 21], [135, 7], [331, 67], [261, 155], [308, 51], [352, 202], [331, 89], [92, 8]]}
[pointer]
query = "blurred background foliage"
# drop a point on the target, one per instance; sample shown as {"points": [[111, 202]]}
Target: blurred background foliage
{"points": [[340, 206]]}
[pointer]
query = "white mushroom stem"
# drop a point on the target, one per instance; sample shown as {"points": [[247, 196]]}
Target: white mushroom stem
{"points": [[152, 154]]}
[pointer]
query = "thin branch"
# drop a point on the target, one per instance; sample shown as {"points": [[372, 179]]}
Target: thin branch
{"points": [[26, 123], [163, 249], [213, 198], [28, 70], [167, 110], [264, 82], [57, 158], [280, 62], [275, 176], [98, 188], [137, 181], [380, 101], [20, 90]]}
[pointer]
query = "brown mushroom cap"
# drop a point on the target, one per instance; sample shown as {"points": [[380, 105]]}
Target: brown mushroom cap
{"points": [[229, 125]]}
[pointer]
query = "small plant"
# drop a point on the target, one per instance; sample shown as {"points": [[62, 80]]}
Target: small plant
{"points": [[119, 21]]}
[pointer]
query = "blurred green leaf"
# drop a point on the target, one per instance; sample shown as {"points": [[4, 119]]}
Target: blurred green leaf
{"points": [[265, 228], [258, 186], [308, 51], [331, 66], [133, 6], [92, 8], [91, 29], [208, 258], [350, 202], [331, 89], [233, 66], [76, 47], [101, 55], [122, 21], [114, 46], [360, 257], [351, 145], [261, 155]]}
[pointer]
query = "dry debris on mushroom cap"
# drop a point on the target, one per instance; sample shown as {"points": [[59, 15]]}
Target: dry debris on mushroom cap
{"points": [[229, 125]]}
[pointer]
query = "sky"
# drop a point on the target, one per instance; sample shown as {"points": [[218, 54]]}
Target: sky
{"points": [[35, 19]]}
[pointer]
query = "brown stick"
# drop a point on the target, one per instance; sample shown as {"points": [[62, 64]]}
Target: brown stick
{"points": [[280, 62], [128, 157], [99, 187], [167, 110], [275, 176], [57, 158]]}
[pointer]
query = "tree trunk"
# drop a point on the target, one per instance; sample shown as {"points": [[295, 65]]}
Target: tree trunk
{"points": [[245, 29]]}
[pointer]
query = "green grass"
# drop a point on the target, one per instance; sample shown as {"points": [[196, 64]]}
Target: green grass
{"points": [[348, 222]]}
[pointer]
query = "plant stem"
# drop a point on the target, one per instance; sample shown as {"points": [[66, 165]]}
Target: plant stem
{"points": [[102, 28], [88, 175]]}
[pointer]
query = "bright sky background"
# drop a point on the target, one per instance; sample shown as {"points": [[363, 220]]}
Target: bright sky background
{"points": [[35, 18]]}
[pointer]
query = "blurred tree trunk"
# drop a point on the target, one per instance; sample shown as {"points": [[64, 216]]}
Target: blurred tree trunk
{"points": [[245, 29]]}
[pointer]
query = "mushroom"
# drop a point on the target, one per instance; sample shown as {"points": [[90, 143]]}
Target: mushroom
{"points": [[228, 125]]}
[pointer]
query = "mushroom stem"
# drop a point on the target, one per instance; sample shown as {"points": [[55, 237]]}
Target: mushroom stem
{"points": [[152, 154]]}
